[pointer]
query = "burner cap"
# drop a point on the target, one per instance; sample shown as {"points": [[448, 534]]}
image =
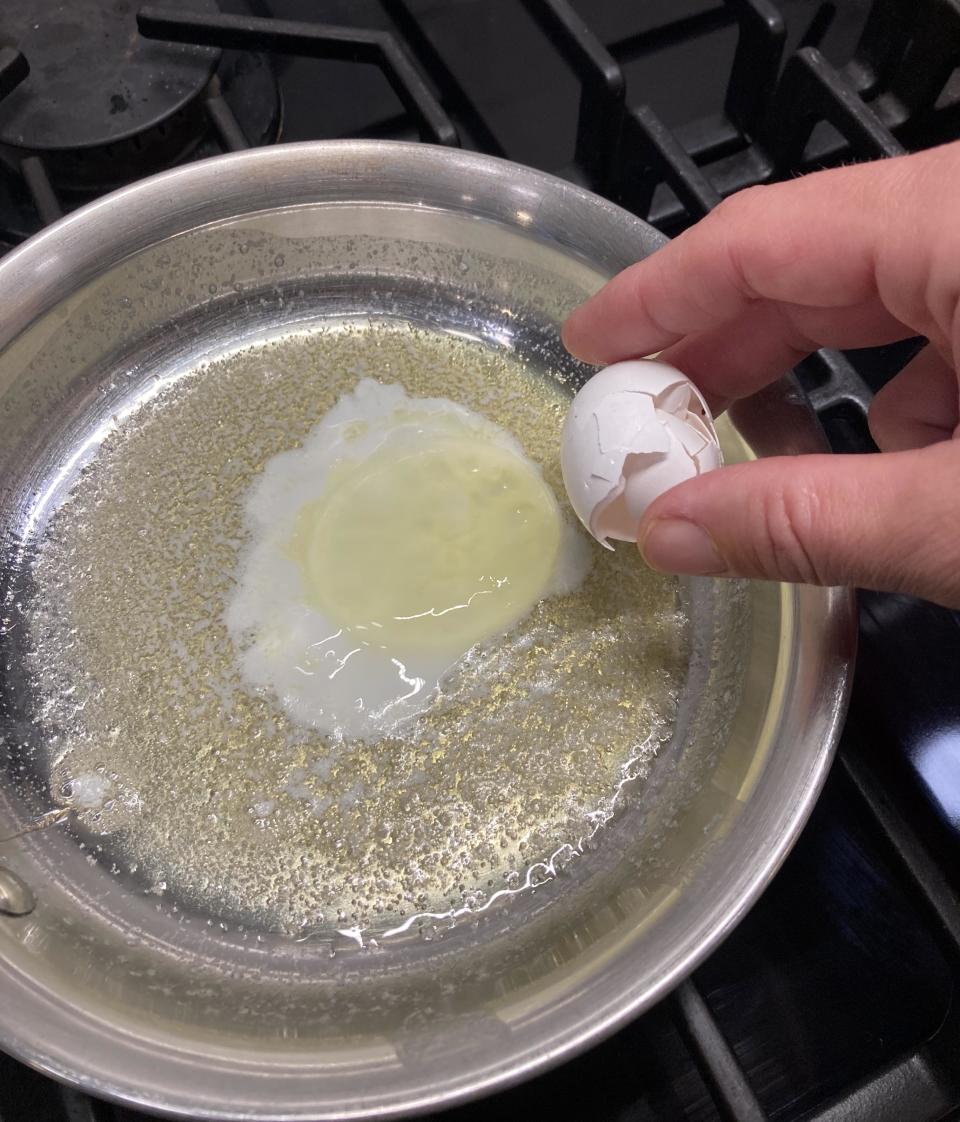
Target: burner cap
{"points": [[94, 80]]}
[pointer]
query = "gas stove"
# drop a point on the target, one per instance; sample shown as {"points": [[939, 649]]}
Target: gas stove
{"points": [[835, 998]]}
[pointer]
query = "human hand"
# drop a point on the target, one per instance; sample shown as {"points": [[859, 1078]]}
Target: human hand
{"points": [[852, 257]]}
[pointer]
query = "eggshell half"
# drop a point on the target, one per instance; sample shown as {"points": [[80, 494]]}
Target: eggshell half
{"points": [[634, 430]]}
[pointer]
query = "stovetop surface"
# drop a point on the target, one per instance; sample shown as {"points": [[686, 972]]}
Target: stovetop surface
{"points": [[836, 997]]}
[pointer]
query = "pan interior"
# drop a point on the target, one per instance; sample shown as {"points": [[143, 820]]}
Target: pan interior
{"points": [[135, 416], [212, 797]]}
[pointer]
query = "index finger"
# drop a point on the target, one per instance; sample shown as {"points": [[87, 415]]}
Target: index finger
{"points": [[812, 241]]}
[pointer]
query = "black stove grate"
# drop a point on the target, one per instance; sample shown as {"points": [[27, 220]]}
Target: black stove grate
{"points": [[13, 69], [834, 999], [311, 40]]}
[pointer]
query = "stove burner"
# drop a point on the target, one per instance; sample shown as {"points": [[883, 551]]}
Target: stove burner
{"points": [[93, 79], [103, 105]]}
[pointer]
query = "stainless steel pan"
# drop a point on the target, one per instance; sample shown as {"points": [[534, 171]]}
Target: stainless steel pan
{"points": [[101, 984]]}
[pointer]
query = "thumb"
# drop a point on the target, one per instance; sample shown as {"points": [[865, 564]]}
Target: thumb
{"points": [[888, 521]]}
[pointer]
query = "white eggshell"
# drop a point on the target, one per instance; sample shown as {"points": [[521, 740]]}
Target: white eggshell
{"points": [[634, 430]]}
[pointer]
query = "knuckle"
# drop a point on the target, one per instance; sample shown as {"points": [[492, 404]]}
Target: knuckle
{"points": [[788, 518], [930, 545], [740, 204], [735, 220], [636, 281], [643, 298]]}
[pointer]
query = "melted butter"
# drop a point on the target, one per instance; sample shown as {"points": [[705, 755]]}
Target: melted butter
{"points": [[219, 799]]}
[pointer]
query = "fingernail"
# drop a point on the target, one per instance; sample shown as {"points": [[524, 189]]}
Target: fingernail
{"points": [[673, 545]]}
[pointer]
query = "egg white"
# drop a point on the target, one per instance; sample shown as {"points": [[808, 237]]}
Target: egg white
{"points": [[357, 679]]}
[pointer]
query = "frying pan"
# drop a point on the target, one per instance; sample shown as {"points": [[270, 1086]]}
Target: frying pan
{"points": [[103, 985]]}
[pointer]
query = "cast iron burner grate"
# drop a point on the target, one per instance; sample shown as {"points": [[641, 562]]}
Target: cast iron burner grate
{"points": [[835, 998], [101, 105]]}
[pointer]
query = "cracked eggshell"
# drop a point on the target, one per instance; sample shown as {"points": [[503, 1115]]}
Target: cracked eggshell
{"points": [[634, 430]]}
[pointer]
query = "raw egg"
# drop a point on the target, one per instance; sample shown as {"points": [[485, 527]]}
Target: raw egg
{"points": [[402, 533], [634, 430]]}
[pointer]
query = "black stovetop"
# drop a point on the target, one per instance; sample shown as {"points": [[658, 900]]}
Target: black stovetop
{"points": [[835, 998]]}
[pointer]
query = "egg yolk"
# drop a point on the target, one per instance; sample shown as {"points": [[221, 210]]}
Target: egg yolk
{"points": [[432, 548]]}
